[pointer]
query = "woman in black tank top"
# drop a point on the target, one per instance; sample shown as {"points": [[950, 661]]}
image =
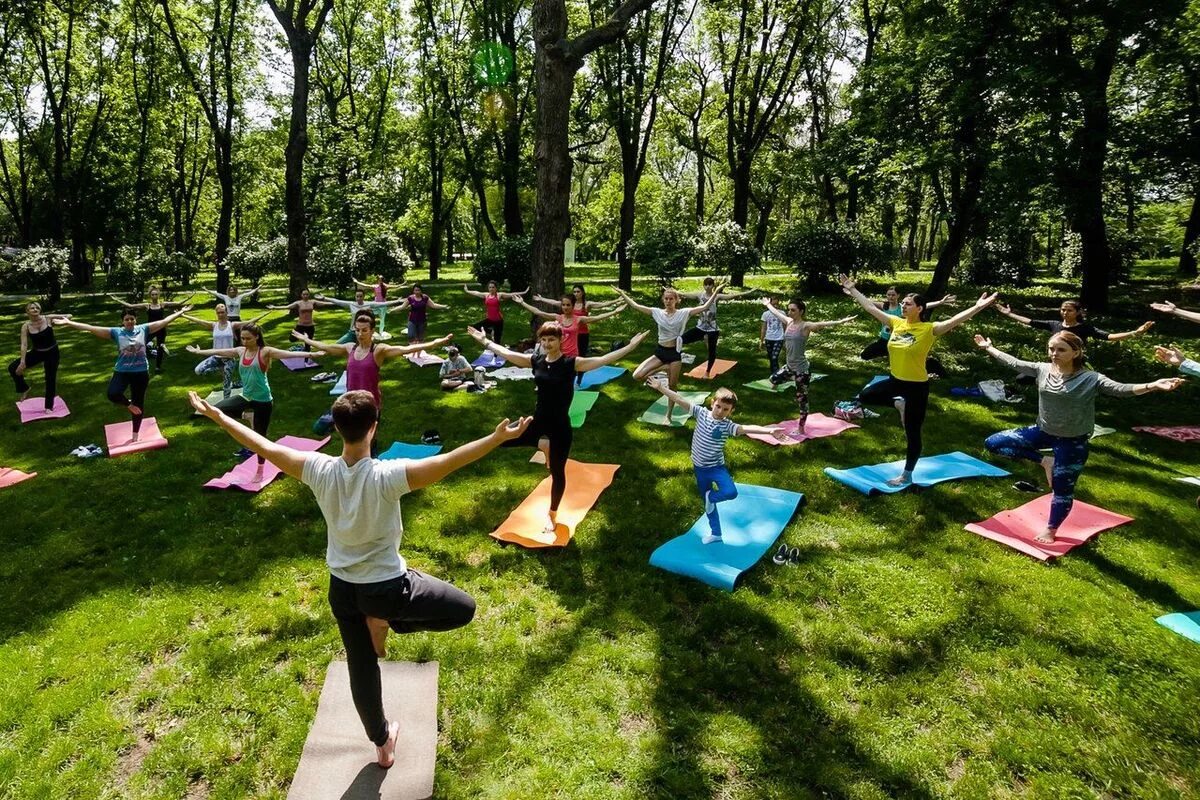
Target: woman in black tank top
{"points": [[38, 346]]}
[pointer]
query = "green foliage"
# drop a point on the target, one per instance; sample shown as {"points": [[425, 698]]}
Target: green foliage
{"points": [[819, 251], [663, 249], [42, 269], [253, 260], [1004, 257], [725, 248], [381, 254], [506, 259], [134, 272]]}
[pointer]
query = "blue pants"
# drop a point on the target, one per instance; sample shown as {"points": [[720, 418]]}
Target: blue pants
{"points": [[719, 484], [1070, 454], [774, 347]]}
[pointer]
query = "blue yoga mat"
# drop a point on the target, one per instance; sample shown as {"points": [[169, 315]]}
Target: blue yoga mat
{"points": [[750, 524], [874, 381], [600, 376], [411, 451], [339, 388], [1186, 624], [931, 470], [488, 360]]}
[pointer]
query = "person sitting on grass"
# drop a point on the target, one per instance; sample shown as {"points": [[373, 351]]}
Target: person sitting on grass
{"points": [[456, 372], [371, 587], [1067, 393], [708, 449]]}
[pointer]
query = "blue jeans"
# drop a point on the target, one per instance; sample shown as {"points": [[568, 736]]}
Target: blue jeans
{"points": [[718, 483], [1070, 454]]}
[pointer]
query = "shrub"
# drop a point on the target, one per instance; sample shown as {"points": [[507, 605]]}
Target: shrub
{"points": [[43, 269], [664, 250], [381, 254], [255, 259], [1004, 258], [134, 272], [724, 247], [506, 259], [332, 266], [820, 251]]}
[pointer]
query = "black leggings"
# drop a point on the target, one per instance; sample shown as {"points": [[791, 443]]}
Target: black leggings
{"points": [[136, 382], [49, 360], [560, 435], [308, 330], [878, 349], [160, 340], [585, 342], [412, 602], [916, 403], [493, 330], [695, 335], [236, 405]]}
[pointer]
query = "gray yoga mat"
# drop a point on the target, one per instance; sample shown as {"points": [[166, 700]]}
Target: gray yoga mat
{"points": [[338, 762]]}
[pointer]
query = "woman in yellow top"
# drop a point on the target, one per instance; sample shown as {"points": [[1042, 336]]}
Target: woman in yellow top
{"points": [[911, 340]]}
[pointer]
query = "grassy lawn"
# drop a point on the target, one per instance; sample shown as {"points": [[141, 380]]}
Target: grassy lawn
{"points": [[163, 641]]}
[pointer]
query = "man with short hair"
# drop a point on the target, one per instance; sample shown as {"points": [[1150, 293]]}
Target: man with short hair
{"points": [[371, 588]]}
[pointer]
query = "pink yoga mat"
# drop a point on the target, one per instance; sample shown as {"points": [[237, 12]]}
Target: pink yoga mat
{"points": [[817, 426], [1180, 433], [423, 359], [34, 408], [240, 477], [1016, 528], [117, 437], [720, 367], [299, 363], [10, 476]]}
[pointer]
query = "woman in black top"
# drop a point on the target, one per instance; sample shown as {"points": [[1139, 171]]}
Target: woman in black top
{"points": [[38, 346], [1072, 321], [554, 380]]}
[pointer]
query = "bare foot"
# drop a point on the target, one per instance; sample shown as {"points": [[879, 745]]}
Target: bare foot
{"points": [[544, 447], [379, 630], [386, 756], [900, 480], [1046, 537], [258, 476], [1048, 465], [135, 410], [900, 405]]}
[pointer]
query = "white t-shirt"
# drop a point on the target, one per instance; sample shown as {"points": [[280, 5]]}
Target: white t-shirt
{"points": [[774, 332], [361, 505], [232, 304], [670, 327]]}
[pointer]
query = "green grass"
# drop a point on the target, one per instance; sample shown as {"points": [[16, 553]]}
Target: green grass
{"points": [[160, 641]]}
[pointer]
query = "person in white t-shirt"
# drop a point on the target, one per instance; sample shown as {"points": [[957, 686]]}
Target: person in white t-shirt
{"points": [[371, 588]]}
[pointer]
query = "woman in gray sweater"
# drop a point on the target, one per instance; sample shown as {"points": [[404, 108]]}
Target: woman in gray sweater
{"points": [[1066, 417]]}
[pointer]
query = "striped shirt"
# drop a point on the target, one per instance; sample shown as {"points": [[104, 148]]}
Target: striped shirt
{"points": [[708, 440]]}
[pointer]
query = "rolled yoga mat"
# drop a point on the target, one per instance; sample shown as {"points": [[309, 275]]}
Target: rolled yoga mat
{"points": [[750, 524], [33, 409], [118, 434], [338, 760], [1018, 527], [656, 414], [933, 469], [525, 525], [242, 476], [600, 376]]}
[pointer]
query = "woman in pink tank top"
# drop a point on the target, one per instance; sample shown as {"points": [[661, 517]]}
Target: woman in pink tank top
{"points": [[569, 321], [493, 318]]}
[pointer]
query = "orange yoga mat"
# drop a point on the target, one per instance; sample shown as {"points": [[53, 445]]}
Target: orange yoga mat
{"points": [[720, 367], [524, 525]]}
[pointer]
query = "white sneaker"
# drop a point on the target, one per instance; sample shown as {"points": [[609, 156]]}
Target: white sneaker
{"points": [[709, 538]]}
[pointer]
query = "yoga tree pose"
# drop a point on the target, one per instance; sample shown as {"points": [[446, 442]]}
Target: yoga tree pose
{"points": [[155, 311], [1072, 321], [418, 304], [132, 370], [1175, 311], [569, 321], [371, 587], [581, 308], [253, 362], [380, 290], [356, 306], [890, 304], [38, 346], [493, 318], [671, 322], [708, 449], [1067, 393], [365, 356], [706, 326], [233, 300], [795, 334], [907, 388], [304, 313], [770, 335], [554, 378], [224, 337]]}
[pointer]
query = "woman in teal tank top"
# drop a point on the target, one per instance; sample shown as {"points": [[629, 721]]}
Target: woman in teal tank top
{"points": [[253, 362]]}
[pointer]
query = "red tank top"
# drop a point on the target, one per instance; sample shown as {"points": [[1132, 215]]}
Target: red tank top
{"points": [[570, 344], [363, 373], [492, 304], [581, 311]]}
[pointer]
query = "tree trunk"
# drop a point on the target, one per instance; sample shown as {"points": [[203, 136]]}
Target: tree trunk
{"points": [[1191, 237], [293, 155], [555, 82], [963, 216], [629, 186]]}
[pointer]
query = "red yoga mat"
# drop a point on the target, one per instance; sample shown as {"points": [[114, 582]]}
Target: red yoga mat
{"points": [[720, 367], [1181, 433], [118, 434], [1018, 527]]}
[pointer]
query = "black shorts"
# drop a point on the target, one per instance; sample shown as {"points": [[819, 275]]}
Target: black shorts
{"points": [[667, 355]]}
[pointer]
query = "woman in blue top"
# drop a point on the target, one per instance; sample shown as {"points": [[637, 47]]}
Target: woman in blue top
{"points": [[132, 370]]}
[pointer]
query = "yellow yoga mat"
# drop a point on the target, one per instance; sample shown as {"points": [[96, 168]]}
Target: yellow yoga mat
{"points": [[525, 524]]}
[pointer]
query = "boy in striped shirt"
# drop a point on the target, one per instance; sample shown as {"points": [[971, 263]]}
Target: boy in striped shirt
{"points": [[708, 449]]}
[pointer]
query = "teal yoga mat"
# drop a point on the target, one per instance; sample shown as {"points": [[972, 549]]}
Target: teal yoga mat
{"points": [[750, 524], [657, 413], [934, 469], [600, 376], [339, 388], [1186, 624], [765, 385], [581, 404], [411, 451]]}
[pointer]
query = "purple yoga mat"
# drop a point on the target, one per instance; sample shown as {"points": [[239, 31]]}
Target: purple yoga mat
{"points": [[297, 364], [34, 408]]}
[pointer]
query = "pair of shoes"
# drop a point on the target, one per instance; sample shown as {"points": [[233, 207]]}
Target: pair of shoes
{"points": [[1026, 486], [431, 436], [786, 555], [320, 377], [87, 451]]}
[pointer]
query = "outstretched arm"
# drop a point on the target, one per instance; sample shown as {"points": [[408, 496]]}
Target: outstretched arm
{"points": [[512, 295], [276, 353], [948, 300], [588, 319], [867, 303], [1175, 311], [829, 323], [328, 347], [775, 312], [333, 301], [254, 321], [95, 330], [388, 351], [672, 395], [1116, 337], [634, 304], [155, 327], [289, 460], [712, 298], [1024, 367], [547, 301], [1175, 357], [762, 430], [427, 471], [474, 293], [1007, 311], [589, 363], [535, 311], [736, 295], [363, 285], [223, 352], [205, 322], [437, 306], [128, 305], [985, 300], [519, 359], [252, 292], [288, 307]]}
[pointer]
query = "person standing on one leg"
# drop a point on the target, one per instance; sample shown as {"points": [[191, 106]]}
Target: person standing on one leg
{"points": [[233, 300], [224, 337], [155, 311], [908, 350], [582, 308], [797, 368], [1067, 393], [492, 323], [1175, 357], [356, 306], [38, 346], [770, 335], [708, 449], [890, 305], [706, 326], [371, 587], [304, 308]]}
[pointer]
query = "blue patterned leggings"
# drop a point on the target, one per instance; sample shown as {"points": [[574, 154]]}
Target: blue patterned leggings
{"points": [[1070, 454]]}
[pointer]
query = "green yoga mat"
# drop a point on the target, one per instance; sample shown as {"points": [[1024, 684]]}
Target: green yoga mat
{"points": [[657, 413], [582, 403], [765, 385]]}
